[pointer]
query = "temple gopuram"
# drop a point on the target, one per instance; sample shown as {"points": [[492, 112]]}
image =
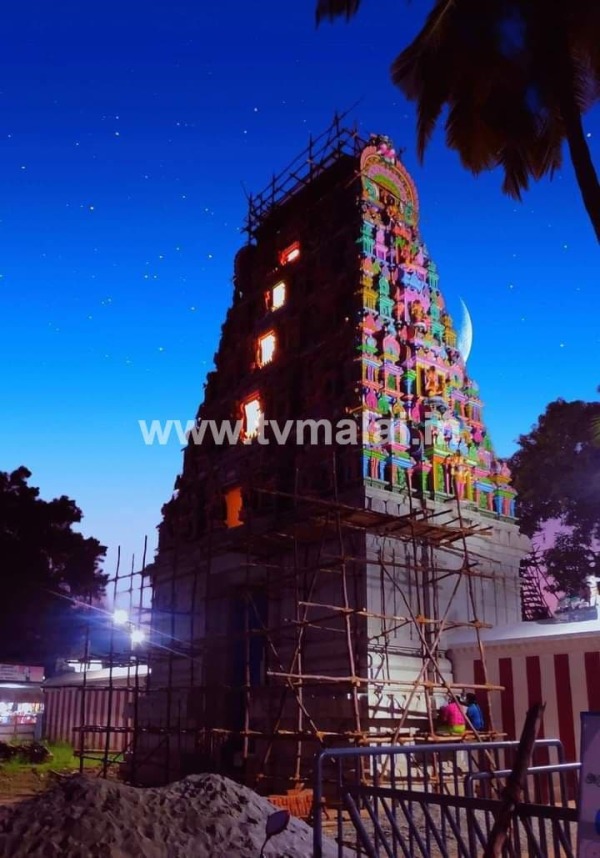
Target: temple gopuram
{"points": [[310, 576]]}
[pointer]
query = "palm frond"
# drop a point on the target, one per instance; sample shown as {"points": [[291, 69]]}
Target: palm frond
{"points": [[451, 61], [428, 113], [419, 70], [438, 22], [584, 39], [518, 156], [516, 172], [332, 9], [585, 87], [547, 149], [504, 87], [475, 140], [432, 47]]}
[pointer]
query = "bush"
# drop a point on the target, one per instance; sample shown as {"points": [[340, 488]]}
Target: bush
{"points": [[28, 752]]}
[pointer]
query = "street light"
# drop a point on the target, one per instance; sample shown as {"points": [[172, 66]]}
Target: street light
{"points": [[137, 636]]}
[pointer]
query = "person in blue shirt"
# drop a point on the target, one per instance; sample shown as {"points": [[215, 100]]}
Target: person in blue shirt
{"points": [[474, 713]]}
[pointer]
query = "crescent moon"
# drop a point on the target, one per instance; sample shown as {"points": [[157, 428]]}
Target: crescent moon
{"points": [[465, 336]]}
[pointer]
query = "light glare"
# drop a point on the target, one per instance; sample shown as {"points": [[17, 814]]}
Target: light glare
{"points": [[137, 636]]}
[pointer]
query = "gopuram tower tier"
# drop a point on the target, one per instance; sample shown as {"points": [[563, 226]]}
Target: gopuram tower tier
{"points": [[341, 513]]}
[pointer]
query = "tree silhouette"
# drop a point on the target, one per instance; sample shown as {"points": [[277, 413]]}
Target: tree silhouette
{"points": [[568, 562], [556, 472], [46, 570], [516, 77]]}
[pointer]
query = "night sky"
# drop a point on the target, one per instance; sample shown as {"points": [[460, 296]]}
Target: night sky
{"points": [[129, 134]]}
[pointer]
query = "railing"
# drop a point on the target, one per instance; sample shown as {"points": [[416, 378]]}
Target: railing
{"points": [[549, 786], [439, 800]]}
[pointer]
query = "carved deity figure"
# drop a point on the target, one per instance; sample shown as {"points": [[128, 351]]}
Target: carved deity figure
{"points": [[477, 435], [419, 258], [460, 478], [384, 284], [432, 274], [449, 332], [401, 251], [368, 267], [371, 189], [374, 468], [390, 204], [398, 409], [416, 411], [433, 382], [435, 304], [371, 400], [417, 313], [446, 320], [373, 431], [399, 309]]}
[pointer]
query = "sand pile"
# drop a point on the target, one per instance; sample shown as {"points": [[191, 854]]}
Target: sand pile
{"points": [[202, 816]]}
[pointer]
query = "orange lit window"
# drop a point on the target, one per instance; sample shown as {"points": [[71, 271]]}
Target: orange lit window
{"points": [[253, 416], [290, 254], [278, 296], [266, 348], [233, 505]]}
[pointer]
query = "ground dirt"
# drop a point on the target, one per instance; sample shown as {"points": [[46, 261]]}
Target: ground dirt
{"points": [[202, 816]]}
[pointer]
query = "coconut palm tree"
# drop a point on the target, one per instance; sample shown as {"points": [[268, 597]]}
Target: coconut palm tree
{"points": [[516, 76]]}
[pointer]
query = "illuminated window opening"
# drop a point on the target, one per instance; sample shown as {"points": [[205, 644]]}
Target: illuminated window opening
{"points": [[266, 348], [278, 296], [253, 416], [233, 507], [290, 254]]}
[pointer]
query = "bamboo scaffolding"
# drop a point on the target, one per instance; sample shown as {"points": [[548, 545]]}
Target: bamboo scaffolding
{"points": [[368, 680], [418, 620], [295, 655], [333, 560], [474, 609], [296, 680], [346, 607]]}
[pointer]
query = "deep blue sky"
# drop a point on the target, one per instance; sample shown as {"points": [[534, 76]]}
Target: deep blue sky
{"points": [[128, 132]]}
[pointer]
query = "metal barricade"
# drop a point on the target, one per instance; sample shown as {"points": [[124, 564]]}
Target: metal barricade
{"points": [[439, 800]]}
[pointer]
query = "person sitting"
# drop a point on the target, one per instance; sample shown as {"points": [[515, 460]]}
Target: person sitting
{"points": [[474, 713], [451, 719]]}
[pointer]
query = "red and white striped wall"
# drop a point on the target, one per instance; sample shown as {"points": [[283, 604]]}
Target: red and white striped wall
{"points": [[555, 663]]}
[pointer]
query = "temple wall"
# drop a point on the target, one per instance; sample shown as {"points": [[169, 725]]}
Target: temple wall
{"points": [[396, 588], [554, 662]]}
